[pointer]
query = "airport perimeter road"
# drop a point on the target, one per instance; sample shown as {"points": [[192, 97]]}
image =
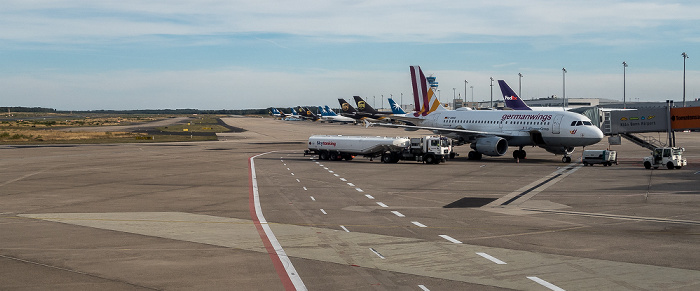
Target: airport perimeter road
{"points": [[178, 216]]}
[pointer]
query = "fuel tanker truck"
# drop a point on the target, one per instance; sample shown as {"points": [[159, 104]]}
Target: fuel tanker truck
{"points": [[427, 149]]}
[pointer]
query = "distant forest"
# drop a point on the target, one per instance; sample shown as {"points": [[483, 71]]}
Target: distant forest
{"points": [[143, 111]]}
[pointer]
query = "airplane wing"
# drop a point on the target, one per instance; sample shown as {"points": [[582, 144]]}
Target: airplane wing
{"points": [[459, 131], [436, 129]]}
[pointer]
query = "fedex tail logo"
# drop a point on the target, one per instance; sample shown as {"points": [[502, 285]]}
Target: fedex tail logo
{"points": [[511, 98], [325, 143]]}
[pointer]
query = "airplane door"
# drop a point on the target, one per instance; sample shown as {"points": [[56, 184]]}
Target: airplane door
{"points": [[556, 123]]}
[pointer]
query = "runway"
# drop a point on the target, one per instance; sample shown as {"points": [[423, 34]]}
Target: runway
{"points": [[177, 216]]}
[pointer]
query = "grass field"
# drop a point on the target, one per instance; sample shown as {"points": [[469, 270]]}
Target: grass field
{"points": [[46, 128]]}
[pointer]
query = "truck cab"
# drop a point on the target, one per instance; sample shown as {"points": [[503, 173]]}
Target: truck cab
{"points": [[671, 157]]}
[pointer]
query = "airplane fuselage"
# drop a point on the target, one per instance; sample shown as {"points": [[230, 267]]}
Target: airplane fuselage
{"points": [[522, 128]]}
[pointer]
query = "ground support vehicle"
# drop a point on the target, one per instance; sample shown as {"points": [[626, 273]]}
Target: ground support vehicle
{"points": [[428, 149], [670, 157], [605, 157]]}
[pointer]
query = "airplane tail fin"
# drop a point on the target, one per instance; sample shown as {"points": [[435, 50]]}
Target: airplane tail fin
{"points": [[330, 111], [512, 100], [363, 106], [322, 111], [395, 108], [424, 96], [346, 107]]}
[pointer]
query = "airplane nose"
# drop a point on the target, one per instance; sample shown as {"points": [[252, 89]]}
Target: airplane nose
{"points": [[598, 134]]}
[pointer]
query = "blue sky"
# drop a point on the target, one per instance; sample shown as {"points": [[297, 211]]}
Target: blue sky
{"points": [[210, 54]]}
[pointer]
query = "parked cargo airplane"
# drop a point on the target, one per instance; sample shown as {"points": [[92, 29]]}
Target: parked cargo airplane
{"points": [[329, 115], [491, 132], [350, 111]]}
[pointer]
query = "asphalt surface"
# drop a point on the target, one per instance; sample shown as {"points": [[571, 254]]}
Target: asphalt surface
{"points": [[179, 216]]}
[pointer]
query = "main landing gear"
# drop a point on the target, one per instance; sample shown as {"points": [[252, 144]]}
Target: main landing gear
{"points": [[519, 154], [566, 159]]}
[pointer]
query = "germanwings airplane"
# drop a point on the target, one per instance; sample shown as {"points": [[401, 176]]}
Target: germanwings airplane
{"points": [[491, 132]]}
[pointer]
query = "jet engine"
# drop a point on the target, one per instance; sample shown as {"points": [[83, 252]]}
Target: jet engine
{"points": [[560, 150], [491, 146]]}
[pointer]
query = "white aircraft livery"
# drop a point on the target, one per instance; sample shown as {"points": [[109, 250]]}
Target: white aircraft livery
{"points": [[491, 132]]}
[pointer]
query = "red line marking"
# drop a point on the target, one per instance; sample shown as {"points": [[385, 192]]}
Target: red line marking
{"points": [[281, 272]]}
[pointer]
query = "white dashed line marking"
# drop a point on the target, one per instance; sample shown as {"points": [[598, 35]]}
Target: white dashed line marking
{"points": [[422, 287], [491, 258], [398, 214], [336, 175], [331, 172], [546, 284], [351, 184], [298, 181], [345, 229], [288, 169], [369, 196], [312, 198], [377, 253], [325, 168], [324, 212], [359, 190], [292, 174], [418, 224], [449, 238], [382, 204], [305, 189], [343, 179]]}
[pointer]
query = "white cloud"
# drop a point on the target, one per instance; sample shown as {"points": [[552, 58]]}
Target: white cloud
{"points": [[389, 20]]}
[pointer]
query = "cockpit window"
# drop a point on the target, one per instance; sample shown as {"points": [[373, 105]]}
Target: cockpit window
{"points": [[587, 123], [573, 123], [578, 123]]}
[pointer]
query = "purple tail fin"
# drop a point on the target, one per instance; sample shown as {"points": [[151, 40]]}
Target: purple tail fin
{"points": [[512, 100]]}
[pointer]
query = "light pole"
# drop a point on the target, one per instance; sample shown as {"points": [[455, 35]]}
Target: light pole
{"points": [[520, 85], [374, 101], [401, 100], [454, 96], [382, 101], [624, 85], [472, 87], [685, 56], [563, 86], [491, 92], [465, 92]]}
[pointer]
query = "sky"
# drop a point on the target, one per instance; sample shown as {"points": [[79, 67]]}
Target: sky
{"points": [[211, 54]]}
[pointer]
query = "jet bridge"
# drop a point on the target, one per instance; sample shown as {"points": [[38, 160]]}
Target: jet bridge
{"points": [[630, 123]]}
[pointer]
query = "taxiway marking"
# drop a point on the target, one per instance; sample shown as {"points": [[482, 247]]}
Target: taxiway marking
{"points": [[418, 224], [285, 269], [345, 229], [398, 214], [449, 238], [546, 284], [312, 198], [491, 258], [324, 212], [369, 196], [382, 204], [422, 287], [377, 253], [359, 190]]}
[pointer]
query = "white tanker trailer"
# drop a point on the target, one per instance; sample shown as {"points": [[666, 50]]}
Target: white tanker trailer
{"points": [[428, 149]]}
